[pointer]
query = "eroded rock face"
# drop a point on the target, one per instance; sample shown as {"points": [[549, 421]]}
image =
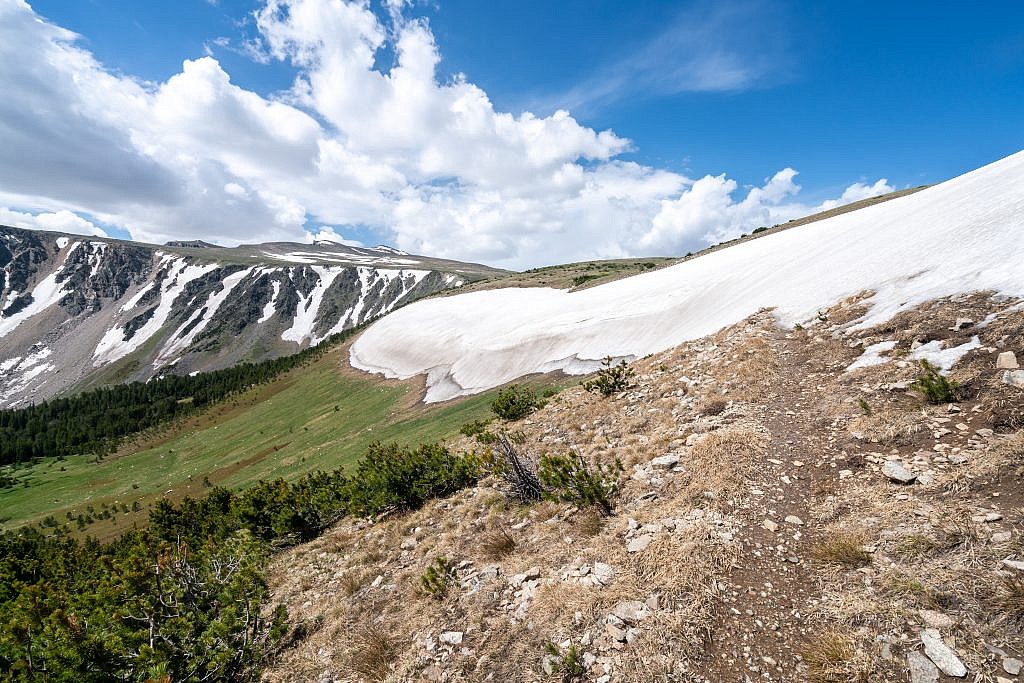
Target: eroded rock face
{"points": [[85, 304]]}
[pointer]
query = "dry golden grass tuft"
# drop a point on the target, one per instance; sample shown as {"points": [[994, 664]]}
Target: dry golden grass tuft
{"points": [[830, 658], [497, 544], [1009, 600], [373, 651], [721, 460], [841, 548], [890, 428], [589, 523]]}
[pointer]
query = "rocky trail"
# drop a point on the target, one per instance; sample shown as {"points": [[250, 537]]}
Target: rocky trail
{"points": [[789, 511]]}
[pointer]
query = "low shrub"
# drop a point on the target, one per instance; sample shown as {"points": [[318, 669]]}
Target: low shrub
{"points": [[569, 664], [611, 378], [569, 479], [515, 402], [473, 428], [438, 577], [934, 386], [393, 477]]}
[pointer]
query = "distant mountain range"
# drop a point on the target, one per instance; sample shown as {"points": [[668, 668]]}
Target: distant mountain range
{"points": [[78, 312]]}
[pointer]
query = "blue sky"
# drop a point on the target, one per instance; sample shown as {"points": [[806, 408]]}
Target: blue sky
{"points": [[843, 93]]}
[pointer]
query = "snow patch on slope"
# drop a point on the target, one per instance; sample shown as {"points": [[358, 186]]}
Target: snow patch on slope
{"points": [[963, 235], [270, 308], [45, 294], [113, 346], [309, 306], [181, 339]]}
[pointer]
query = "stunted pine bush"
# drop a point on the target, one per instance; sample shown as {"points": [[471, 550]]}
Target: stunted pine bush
{"points": [[438, 577], [515, 402], [611, 378], [393, 477], [934, 386], [570, 480]]}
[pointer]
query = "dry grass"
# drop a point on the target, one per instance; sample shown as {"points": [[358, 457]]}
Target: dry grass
{"points": [[830, 659], [351, 582], [720, 461], [373, 651], [841, 548], [890, 429], [1009, 600], [497, 544], [589, 523]]}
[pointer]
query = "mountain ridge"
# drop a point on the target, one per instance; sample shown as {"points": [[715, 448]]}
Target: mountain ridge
{"points": [[78, 312]]}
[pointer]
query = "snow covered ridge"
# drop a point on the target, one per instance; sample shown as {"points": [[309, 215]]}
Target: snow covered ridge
{"points": [[964, 235], [92, 303]]}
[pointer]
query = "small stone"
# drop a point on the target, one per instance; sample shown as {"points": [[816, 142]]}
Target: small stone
{"points": [[631, 611], [1012, 666], [942, 656], [665, 461], [638, 544], [962, 324], [992, 517], [1014, 564], [933, 619], [896, 472], [794, 520], [451, 637], [529, 575], [1015, 378], [408, 544], [921, 668], [1002, 537], [770, 525], [1006, 361], [603, 573], [616, 633]]}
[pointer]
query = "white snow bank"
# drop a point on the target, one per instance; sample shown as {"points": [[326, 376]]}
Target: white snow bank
{"points": [[963, 235], [182, 339], [309, 306], [872, 355], [944, 359]]}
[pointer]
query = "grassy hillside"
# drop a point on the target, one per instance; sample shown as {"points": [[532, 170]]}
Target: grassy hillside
{"points": [[319, 417]]}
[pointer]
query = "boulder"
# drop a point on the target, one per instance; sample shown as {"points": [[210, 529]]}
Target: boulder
{"points": [[1007, 360], [942, 656], [896, 472], [921, 668]]}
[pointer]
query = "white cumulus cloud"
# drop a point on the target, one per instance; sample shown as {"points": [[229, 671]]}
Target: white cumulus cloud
{"points": [[57, 221], [426, 163]]}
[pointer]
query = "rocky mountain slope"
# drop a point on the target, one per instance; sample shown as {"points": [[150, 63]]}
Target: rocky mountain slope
{"points": [[962, 235], [80, 311], [789, 511]]}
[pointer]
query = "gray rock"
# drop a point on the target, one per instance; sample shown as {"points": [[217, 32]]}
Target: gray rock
{"points": [[921, 668], [1015, 378], [451, 637], [638, 544], [1012, 666], [942, 656], [631, 611], [896, 472], [603, 573], [1007, 360], [665, 461]]}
